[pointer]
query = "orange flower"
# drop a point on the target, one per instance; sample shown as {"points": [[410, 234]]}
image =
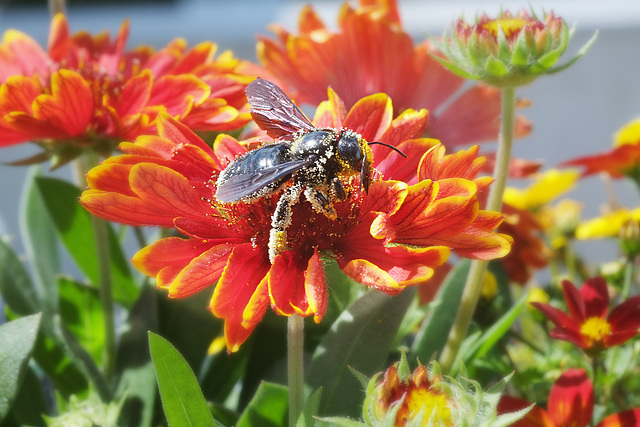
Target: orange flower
{"points": [[371, 53], [169, 181], [88, 90], [589, 324], [570, 404]]}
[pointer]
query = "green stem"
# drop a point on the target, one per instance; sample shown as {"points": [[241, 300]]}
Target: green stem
{"points": [[99, 226], [629, 272], [56, 6], [106, 294], [473, 286], [295, 366]]}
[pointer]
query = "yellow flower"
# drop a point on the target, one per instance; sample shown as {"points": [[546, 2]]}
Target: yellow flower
{"points": [[608, 225], [629, 134], [543, 190]]}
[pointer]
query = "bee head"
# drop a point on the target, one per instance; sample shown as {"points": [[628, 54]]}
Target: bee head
{"points": [[354, 154]]}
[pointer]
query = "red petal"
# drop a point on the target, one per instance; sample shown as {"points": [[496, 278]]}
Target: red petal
{"points": [[567, 328], [394, 166], [125, 209], [536, 417], [168, 190], [241, 296], [370, 116], [176, 132], [330, 113], [70, 106], [571, 399], [201, 272], [595, 295], [390, 269], [167, 257], [574, 301], [630, 418], [135, 94], [288, 282], [178, 94], [625, 321], [18, 93]]}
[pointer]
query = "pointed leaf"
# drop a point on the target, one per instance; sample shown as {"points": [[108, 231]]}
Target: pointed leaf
{"points": [[433, 333], [73, 225], [40, 241], [17, 338], [30, 403], [268, 408], [310, 410], [15, 285], [360, 338], [182, 400]]}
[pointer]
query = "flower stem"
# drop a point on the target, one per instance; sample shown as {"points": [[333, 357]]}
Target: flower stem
{"points": [[473, 285], [629, 273], [99, 226], [295, 366]]}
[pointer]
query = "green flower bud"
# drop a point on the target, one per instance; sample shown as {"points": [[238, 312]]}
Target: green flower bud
{"points": [[507, 51]]}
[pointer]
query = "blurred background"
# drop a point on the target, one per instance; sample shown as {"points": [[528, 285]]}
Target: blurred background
{"points": [[573, 113]]}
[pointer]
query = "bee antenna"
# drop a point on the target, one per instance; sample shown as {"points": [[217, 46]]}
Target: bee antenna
{"points": [[394, 148]]}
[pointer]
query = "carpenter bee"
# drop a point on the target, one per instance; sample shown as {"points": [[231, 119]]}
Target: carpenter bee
{"points": [[302, 160]]}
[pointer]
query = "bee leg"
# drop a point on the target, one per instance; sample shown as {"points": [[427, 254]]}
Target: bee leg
{"points": [[338, 189], [321, 202], [281, 219]]}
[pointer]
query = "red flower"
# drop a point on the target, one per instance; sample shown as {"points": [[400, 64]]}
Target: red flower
{"points": [[88, 90], [622, 160], [169, 181], [587, 325], [570, 404], [371, 53]]}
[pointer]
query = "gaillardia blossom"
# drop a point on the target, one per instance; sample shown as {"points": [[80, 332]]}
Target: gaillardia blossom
{"points": [[570, 403], [389, 238], [428, 398], [509, 50], [370, 53], [589, 324], [88, 90]]}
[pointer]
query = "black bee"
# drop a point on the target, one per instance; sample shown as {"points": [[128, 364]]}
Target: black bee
{"points": [[304, 159]]}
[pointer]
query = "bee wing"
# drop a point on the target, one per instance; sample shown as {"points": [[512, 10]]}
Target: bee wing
{"points": [[274, 112], [237, 187]]}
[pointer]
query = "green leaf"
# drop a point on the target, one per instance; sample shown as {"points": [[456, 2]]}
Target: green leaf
{"points": [[40, 241], [182, 400], [134, 370], [30, 403], [361, 339], [16, 287], [17, 338], [268, 408], [81, 312], [73, 224], [310, 410], [433, 333], [495, 332], [52, 356]]}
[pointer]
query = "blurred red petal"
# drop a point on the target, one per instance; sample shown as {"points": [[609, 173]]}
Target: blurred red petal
{"points": [[571, 399]]}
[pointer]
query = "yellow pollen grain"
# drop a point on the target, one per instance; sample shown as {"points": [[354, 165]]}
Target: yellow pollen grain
{"points": [[509, 26], [423, 399], [595, 329]]}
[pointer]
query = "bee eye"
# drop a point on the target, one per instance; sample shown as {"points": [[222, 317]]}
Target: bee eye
{"points": [[349, 149]]}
